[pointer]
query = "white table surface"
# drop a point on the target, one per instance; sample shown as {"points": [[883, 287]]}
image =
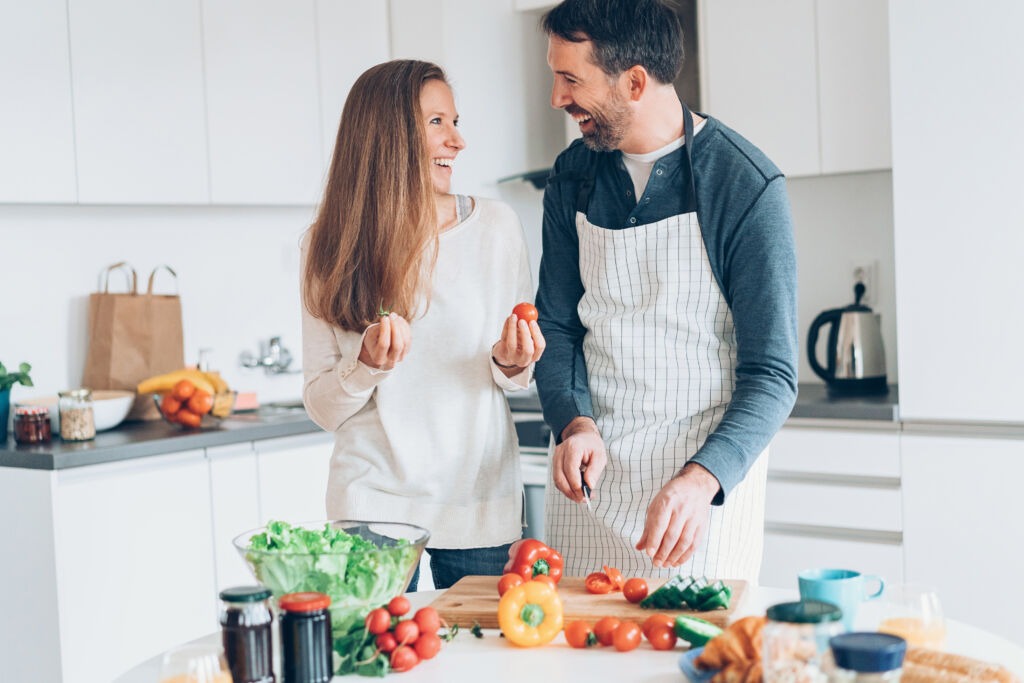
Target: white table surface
{"points": [[494, 660]]}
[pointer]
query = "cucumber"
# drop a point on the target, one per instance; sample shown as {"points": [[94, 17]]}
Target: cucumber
{"points": [[696, 631]]}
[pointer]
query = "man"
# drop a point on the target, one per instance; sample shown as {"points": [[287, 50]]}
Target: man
{"points": [[668, 299]]}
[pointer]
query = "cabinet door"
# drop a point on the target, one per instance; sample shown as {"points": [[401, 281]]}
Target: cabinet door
{"points": [[140, 133], [262, 104], [962, 512], [761, 68], [234, 491], [293, 477], [853, 85], [134, 562], [38, 159], [786, 554]]}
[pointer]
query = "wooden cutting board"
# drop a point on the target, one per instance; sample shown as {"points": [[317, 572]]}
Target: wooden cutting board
{"points": [[475, 599]]}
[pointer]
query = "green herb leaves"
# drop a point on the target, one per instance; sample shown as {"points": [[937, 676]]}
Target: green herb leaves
{"points": [[9, 379]]}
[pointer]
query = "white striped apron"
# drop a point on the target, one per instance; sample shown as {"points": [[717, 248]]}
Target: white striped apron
{"points": [[660, 350]]}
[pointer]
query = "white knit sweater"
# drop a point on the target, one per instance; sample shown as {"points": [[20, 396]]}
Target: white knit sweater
{"points": [[432, 441]]}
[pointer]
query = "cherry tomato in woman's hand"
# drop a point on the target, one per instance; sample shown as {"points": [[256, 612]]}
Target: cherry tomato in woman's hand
{"points": [[662, 637], [406, 632], [525, 311], [598, 583], [659, 619], [579, 634], [404, 658], [635, 589], [618, 581], [605, 628], [626, 636], [427, 619], [386, 642], [427, 646], [508, 582], [378, 621], [398, 606]]}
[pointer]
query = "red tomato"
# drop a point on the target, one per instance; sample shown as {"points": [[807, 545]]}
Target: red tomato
{"points": [[183, 390], [618, 581], [598, 583], [546, 579], [635, 590], [665, 620], [386, 642], [605, 628], [525, 311], [579, 634], [406, 632], [508, 582], [404, 658], [626, 636], [428, 645], [662, 637], [398, 606], [428, 620], [378, 621]]}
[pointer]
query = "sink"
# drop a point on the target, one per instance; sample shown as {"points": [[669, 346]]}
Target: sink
{"points": [[284, 405]]}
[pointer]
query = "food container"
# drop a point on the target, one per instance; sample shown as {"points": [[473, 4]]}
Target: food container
{"points": [[245, 621], [77, 422], [306, 643], [796, 641], [32, 424], [867, 658]]}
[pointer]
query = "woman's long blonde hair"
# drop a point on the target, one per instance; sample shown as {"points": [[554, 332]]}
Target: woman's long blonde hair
{"points": [[374, 241]]}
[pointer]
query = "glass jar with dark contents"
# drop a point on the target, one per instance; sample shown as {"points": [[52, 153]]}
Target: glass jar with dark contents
{"points": [[32, 424], [306, 643], [246, 621]]}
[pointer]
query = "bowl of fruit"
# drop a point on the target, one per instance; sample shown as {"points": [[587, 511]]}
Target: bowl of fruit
{"points": [[190, 398]]}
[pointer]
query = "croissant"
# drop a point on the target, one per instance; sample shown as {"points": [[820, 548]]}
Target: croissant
{"points": [[740, 642]]}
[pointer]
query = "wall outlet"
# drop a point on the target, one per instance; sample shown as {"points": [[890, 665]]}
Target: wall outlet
{"points": [[866, 272]]}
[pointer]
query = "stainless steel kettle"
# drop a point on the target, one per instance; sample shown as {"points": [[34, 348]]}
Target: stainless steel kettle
{"points": [[855, 362]]}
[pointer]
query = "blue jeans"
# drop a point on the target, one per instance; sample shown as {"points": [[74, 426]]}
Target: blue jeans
{"points": [[448, 566]]}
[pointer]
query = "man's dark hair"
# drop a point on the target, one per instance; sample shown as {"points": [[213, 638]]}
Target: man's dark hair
{"points": [[624, 33]]}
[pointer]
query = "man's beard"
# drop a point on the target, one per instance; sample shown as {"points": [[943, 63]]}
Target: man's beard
{"points": [[610, 124]]}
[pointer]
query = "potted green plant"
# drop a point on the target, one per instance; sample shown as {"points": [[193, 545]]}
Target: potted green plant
{"points": [[8, 380]]}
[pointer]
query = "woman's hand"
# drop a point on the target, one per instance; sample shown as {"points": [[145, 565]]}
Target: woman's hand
{"points": [[521, 343], [386, 342]]}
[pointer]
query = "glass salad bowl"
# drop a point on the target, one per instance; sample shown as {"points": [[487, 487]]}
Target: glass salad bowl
{"points": [[359, 564]]}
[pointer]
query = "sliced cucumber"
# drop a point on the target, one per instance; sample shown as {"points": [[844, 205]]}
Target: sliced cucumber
{"points": [[696, 631]]}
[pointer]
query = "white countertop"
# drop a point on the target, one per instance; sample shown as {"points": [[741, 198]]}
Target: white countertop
{"points": [[468, 658]]}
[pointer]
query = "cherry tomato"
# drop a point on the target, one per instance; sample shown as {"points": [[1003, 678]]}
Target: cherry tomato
{"points": [[386, 642], [626, 636], [201, 402], [378, 621], [598, 583], [398, 606], [428, 620], [525, 311], [635, 590], [427, 646], [579, 634], [188, 418], [508, 582], [665, 620], [662, 637], [546, 579], [406, 632], [605, 628], [618, 581], [404, 658], [183, 390]]}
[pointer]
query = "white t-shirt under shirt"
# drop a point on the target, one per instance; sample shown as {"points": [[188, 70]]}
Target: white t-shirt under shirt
{"points": [[432, 441], [639, 166]]}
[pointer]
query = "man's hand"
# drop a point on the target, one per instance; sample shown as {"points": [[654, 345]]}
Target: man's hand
{"points": [[677, 518], [386, 342], [582, 448]]}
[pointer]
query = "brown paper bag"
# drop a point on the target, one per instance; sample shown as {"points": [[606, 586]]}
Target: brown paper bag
{"points": [[133, 336]]}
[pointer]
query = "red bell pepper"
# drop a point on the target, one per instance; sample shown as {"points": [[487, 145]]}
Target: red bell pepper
{"points": [[534, 558]]}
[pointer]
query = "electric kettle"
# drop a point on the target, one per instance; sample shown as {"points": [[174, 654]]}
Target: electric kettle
{"points": [[855, 362]]}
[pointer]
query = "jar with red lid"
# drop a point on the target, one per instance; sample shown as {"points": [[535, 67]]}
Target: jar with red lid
{"points": [[32, 424], [306, 644]]}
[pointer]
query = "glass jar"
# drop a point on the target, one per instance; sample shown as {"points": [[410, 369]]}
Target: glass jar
{"points": [[32, 424], [306, 644], [76, 416], [245, 621], [796, 638], [867, 658]]}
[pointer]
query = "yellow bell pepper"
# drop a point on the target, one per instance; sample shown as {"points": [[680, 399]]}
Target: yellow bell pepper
{"points": [[530, 614]]}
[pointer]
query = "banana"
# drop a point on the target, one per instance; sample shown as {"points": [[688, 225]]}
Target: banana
{"points": [[223, 403], [219, 385], [160, 384]]}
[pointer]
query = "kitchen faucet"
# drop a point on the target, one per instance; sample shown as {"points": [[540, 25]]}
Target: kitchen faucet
{"points": [[274, 358]]}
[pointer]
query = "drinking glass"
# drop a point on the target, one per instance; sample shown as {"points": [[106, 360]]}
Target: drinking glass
{"points": [[196, 663], [913, 612]]}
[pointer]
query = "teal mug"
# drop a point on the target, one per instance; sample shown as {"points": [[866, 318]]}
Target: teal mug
{"points": [[844, 588]]}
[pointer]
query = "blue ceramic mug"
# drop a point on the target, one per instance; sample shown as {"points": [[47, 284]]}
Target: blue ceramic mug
{"points": [[844, 588]]}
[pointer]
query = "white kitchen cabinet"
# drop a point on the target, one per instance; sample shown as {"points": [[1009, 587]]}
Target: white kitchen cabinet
{"points": [[962, 513], [293, 477], [262, 103], [36, 129], [804, 80], [957, 210], [833, 500], [137, 75], [235, 507]]}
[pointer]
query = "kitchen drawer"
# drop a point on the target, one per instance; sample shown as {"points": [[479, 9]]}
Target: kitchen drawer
{"points": [[836, 451], [833, 505], [787, 554]]}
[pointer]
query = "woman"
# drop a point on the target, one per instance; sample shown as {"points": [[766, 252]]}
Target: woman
{"points": [[405, 288]]}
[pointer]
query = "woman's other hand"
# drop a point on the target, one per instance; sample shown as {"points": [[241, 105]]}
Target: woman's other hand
{"points": [[521, 343], [386, 342]]}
